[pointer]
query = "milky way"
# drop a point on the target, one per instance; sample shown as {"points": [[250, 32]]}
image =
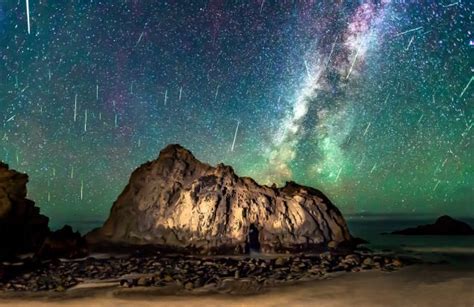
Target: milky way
{"points": [[369, 101], [328, 72]]}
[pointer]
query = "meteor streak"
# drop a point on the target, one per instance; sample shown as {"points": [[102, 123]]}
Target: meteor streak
{"points": [[28, 16], [366, 129], [353, 62], [235, 136], [139, 39], [408, 31], [75, 107], [465, 89], [338, 173]]}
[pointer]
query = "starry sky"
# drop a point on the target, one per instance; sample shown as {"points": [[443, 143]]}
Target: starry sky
{"points": [[369, 101]]}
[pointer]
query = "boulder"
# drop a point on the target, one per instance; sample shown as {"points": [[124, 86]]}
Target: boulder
{"points": [[179, 202]]}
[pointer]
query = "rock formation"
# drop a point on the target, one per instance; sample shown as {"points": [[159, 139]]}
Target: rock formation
{"points": [[444, 225], [178, 202], [63, 243], [22, 227]]}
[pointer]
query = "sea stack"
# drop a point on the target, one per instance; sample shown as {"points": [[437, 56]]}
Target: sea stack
{"points": [[179, 203], [444, 226]]}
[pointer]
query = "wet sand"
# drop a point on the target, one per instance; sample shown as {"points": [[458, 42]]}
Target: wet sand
{"points": [[421, 285]]}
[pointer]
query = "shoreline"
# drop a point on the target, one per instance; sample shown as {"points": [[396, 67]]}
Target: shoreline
{"points": [[239, 274], [420, 285]]}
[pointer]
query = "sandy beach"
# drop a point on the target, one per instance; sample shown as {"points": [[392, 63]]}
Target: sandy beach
{"points": [[420, 285]]}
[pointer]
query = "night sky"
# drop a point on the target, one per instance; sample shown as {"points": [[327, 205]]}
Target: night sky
{"points": [[369, 101]]}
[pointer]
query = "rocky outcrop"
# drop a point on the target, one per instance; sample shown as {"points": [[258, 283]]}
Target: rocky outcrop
{"points": [[63, 243], [178, 202], [444, 225], [22, 227]]}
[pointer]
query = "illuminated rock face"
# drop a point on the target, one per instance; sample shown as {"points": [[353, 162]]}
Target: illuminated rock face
{"points": [[176, 201]]}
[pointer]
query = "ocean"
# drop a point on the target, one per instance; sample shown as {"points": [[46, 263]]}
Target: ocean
{"points": [[457, 250]]}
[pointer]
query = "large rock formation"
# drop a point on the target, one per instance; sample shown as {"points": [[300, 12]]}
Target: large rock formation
{"points": [[22, 227], [178, 202], [444, 225]]}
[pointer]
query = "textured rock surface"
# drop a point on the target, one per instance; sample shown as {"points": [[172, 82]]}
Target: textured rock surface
{"points": [[22, 227], [177, 201]]}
